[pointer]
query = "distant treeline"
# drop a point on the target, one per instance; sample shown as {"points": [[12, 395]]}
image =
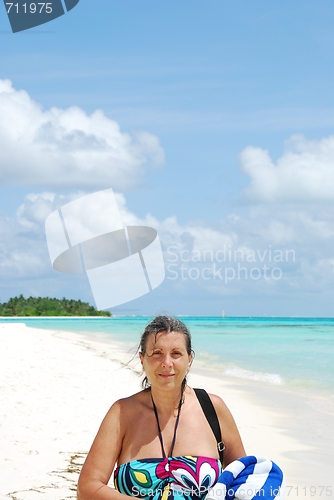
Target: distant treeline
{"points": [[45, 306]]}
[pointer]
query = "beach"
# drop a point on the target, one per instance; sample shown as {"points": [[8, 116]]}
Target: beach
{"points": [[56, 386]]}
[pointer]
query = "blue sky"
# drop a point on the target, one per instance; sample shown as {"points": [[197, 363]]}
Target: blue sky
{"points": [[228, 110]]}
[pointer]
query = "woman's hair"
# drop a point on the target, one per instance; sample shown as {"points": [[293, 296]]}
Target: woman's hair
{"points": [[164, 324]]}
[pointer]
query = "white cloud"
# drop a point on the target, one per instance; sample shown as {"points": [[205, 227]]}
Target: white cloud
{"points": [[68, 148], [22, 253], [172, 233], [304, 173], [35, 209], [298, 242]]}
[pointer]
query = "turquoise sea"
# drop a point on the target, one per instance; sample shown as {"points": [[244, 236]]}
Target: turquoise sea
{"points": [[292, 352]]}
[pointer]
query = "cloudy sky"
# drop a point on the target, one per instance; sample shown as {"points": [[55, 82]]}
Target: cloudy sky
{"points": [[212, 121]]}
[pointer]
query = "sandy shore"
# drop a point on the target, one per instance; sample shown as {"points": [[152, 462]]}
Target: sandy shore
{"points": [[55, 388]]}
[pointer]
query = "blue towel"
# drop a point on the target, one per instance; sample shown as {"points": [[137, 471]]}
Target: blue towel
{"points": [[251, 477]]}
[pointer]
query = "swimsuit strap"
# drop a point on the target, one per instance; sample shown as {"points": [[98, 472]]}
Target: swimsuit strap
{"points": [[175, 427]]}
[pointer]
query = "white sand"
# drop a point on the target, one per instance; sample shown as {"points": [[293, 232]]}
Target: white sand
{"points": [[55, 388]]}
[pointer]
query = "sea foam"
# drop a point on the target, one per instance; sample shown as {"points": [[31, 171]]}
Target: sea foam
{"points": [[271, 378]]}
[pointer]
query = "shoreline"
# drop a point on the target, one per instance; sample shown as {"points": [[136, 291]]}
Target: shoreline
{"points": [[227, 318], [246, 364], [58, 385]]}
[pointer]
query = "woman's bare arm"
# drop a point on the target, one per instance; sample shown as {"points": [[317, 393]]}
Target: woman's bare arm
{"points": [[101, 459], [230, 435]]}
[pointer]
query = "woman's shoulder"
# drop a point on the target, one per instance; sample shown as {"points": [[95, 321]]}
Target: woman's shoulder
{"points": [[129, 403], [218, 404], [214, 398], [124, 412]]}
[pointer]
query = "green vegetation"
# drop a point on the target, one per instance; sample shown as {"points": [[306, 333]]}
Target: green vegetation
{"points": [[44, 306]]}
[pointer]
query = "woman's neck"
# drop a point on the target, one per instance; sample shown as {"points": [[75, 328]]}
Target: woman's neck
{"points": [[167, 401]]}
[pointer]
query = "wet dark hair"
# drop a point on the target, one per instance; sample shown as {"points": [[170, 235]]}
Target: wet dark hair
{"points": [[164, 324]]}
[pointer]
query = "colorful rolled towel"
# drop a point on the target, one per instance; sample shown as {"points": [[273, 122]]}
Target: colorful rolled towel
{"points": [[251, 477]]}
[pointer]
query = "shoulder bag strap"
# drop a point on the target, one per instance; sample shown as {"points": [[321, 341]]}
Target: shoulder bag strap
{"points": [[211, 416]]}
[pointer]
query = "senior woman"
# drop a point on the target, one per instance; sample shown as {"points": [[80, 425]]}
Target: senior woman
{"points": [[160, 439]]}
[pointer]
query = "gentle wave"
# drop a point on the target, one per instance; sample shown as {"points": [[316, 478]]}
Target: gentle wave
{"points": [[271, 378], [212, 362], [295, 352]]}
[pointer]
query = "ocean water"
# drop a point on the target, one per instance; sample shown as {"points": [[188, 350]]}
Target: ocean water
{"points": [[293, 352]]}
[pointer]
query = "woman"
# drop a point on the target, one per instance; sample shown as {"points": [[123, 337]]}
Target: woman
{"points": [[159, 438]]}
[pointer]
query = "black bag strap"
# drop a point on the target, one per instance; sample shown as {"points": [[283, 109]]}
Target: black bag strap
{"points": [[211, 416]]}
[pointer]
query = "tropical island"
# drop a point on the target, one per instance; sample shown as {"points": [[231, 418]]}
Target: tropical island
{"points": [[46, 306]]}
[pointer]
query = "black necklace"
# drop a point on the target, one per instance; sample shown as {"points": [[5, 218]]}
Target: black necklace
{"points": [[175, 427]]}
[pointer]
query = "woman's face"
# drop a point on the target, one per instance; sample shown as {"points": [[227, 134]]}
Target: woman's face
{"points": [[166, 361]]}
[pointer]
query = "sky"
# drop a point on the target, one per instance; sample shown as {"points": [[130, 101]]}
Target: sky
{"points": [[212, 121]]}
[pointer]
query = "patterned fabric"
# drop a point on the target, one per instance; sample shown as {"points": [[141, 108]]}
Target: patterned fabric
{"points": [[248, 478], [184, 477]]}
